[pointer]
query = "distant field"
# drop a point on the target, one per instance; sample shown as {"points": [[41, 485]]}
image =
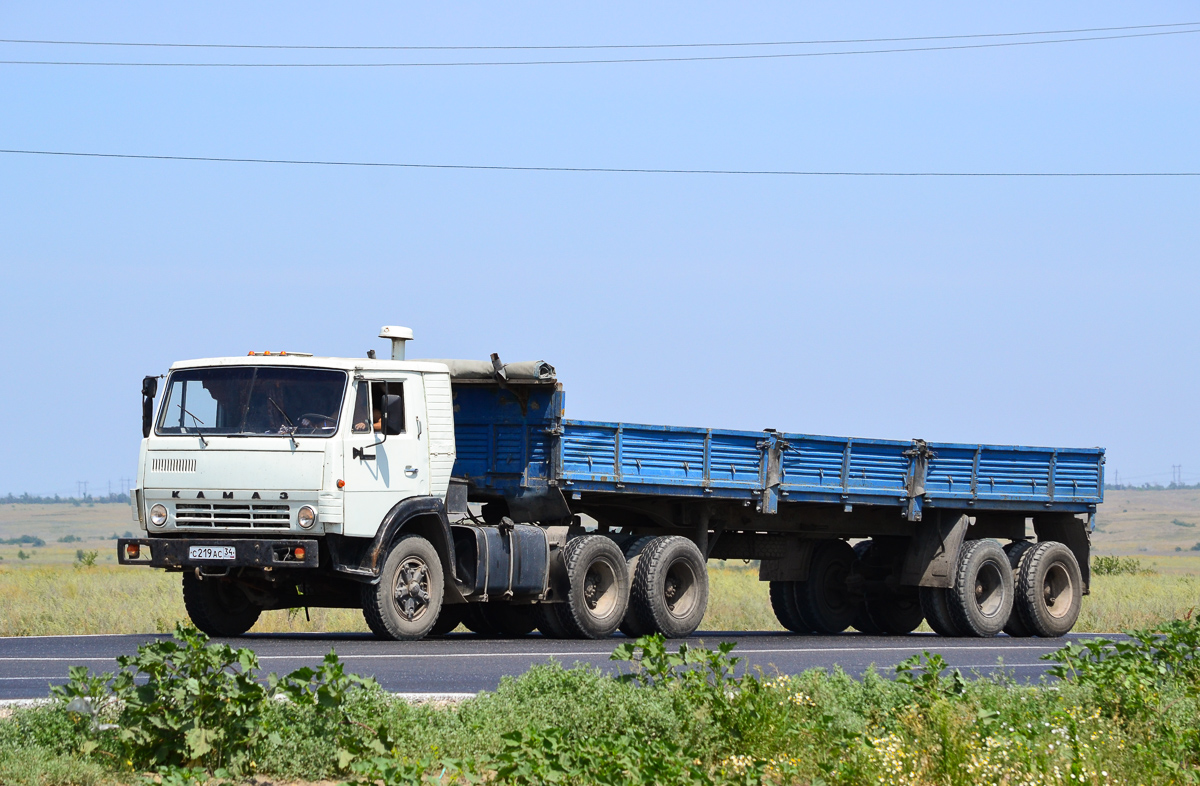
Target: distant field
{"points": [[50, 593]]}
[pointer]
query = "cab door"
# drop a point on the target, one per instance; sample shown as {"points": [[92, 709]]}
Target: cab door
{"points": [[381, 469]]}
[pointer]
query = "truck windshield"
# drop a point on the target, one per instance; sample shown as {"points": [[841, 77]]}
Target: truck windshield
{"points": [[253, 400]]}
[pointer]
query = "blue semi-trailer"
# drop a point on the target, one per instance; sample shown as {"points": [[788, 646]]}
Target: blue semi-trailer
{"points": [[438, 493]]}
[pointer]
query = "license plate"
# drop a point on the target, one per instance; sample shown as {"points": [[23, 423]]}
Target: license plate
{"points": [[212, 552]]}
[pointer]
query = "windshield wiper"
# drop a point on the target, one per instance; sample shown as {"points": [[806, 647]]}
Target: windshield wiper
{"points": [[198, 422], [290, 434]]}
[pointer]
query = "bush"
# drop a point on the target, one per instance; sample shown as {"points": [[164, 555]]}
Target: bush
{"points": [[1122, 711], [25, 540], [200, 706], [1116, 566]]}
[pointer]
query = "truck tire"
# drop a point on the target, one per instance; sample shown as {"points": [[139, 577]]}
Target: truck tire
{"points": [[669, 594], [982, 596], [936, 608], [405, 603], [862, 622], [217, 606], [1049, 590], [598, 587], [630, 625], [824, 600], [783, 603], [549, 622], [1017, 552], [499, 619], [895, 612], [449, 618]]}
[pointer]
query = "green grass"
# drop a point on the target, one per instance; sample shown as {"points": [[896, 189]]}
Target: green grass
{"points": [[51, 594], [62, 599]]}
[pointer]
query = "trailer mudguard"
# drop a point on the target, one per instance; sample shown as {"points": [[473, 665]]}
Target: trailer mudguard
{"points": [[1071, 532], [933, 553]]}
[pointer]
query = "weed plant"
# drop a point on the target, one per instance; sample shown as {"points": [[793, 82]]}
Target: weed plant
{"points": [[188, 711]]}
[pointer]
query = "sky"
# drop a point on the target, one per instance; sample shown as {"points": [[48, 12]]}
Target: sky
{"points": [[1037, 311]]}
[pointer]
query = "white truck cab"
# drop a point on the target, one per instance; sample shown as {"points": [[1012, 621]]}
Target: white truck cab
{"points": [[257, 465]]}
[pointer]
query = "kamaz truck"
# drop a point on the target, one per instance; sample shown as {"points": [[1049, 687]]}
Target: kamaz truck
{"points": [[438, 493]]}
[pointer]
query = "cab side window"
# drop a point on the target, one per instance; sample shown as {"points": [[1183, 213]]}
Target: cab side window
{"points": [[379, 390], [362, 409]]}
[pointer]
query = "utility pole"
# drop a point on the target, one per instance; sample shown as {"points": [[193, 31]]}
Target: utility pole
{"points": [[125, 484], [1177, 474]]}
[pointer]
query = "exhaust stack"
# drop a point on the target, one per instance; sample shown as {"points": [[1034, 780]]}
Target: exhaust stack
{"points": [[398, 336]]}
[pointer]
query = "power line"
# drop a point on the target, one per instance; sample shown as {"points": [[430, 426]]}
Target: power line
{"points": [[598, 61], [816, 42], [598, 170]]}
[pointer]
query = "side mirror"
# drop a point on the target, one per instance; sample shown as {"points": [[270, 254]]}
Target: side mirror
{"points": [[393, 415], [149, 389]]}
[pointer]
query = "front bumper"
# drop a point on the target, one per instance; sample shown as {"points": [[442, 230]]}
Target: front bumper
{"points": [[173, 553]]}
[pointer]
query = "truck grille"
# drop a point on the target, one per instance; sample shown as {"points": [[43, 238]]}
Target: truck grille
{"points": [[216, 514]]}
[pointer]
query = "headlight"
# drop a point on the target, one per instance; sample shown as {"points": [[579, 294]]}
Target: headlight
{"points": [[307, 517], [158, 515]]}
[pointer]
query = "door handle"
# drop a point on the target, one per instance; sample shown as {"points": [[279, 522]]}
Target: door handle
{"points": [[410, 470]]}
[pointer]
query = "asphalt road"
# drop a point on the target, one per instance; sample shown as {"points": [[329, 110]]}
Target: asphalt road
{"points": [[464, 663]]}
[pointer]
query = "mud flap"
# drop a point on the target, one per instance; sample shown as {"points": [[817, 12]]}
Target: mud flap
{"points": [[932, 554], [1072, 532]]}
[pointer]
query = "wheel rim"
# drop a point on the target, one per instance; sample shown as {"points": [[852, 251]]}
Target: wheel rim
{"points": [[1057, 591], [834, 595], [989, 589], [681, 589], [411, 590], [600, 591]]}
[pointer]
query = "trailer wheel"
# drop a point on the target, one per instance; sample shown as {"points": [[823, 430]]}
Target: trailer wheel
{"points": [[783, 603], [449, 618], [825, 600], [982, 596], [405, 603], [631, 626], [863, 622], [1017, 551], [935, 605], [217, 606], [598, 584], [500, 619], [896, 612], [670, 587], [1049, 590]]}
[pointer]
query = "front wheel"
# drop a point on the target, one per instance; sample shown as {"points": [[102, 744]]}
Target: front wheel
{"points": [[218, 606], [405, 603]]}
